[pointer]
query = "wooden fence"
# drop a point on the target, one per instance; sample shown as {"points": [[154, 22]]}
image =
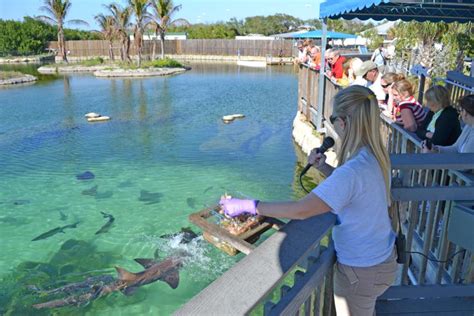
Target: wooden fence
{"points": [[218, 47]]}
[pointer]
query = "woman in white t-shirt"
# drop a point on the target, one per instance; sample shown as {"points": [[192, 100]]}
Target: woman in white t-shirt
{"points": [[357, 191]]}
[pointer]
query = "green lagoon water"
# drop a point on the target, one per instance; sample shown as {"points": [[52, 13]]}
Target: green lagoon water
{"points": [[166, 140]]}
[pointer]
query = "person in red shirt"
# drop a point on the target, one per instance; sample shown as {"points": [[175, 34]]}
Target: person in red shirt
{"points": [[336, 62]]}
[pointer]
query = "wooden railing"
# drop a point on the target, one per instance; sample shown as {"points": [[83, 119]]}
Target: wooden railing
{"points": [[261, 281], [291, 272]]}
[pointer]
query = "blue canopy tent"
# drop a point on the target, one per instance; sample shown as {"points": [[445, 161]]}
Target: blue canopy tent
{"points": [[319, 34], [419, 10]]}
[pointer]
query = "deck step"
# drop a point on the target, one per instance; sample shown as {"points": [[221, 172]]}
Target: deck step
{"points": [[453, 306], [455, 299]]}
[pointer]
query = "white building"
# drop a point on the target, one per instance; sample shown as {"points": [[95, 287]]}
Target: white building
{"points": [[148, 36], [259, 37]]}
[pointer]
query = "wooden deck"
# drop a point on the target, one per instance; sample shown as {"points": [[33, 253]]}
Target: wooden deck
{"points": [[446, 300]]}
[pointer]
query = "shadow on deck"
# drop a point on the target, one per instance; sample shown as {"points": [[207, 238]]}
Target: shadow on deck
{"points": [[453, 300]]}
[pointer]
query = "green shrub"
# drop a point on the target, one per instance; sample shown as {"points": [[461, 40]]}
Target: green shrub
{"points": [[93, 62], [162, 63]]}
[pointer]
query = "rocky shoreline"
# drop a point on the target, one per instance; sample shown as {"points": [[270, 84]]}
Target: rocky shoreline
{"points": [[18, 80], [26, 59], [70, 69]]}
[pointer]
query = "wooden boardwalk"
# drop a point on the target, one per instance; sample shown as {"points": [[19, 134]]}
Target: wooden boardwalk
{"points": [[443, 300]]}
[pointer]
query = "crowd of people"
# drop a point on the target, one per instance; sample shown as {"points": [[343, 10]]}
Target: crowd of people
{"points": [[435, 122]]}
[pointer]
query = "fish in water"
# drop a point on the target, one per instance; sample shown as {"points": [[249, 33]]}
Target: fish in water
{"points": [[150, 197], [11, 220], [74, 288], [55, 231], [187, 235], [85, 176], [92, 191], [127, 282], [104, 195], [208, 189], [191, 202], [107, 225], [21, 202], [62, 216], [125, 184]]}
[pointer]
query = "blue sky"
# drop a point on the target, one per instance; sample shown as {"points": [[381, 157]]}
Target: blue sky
{"points": [[195, 11]]}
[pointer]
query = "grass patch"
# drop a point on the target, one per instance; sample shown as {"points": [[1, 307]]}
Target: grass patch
{"points": [[92, 62], [158, 63], [163, 63], [5, 75]]}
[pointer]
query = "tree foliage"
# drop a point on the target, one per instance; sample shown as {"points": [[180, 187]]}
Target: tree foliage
{"points": [[440, 46], [31, 36], [24, 38], [266, 25]]}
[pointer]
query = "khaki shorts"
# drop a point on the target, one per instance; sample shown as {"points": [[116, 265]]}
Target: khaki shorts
{"points": [[356, 289]]}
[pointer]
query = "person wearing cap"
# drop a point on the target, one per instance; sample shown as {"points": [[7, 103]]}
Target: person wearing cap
{"points": [[336, 63], [370, 72]]}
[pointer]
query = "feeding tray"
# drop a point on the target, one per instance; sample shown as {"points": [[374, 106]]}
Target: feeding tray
{"points": [[232, 235]]}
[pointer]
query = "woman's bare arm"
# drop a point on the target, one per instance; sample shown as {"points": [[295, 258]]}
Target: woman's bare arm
{"points": [[408, 120], [306, 207]]}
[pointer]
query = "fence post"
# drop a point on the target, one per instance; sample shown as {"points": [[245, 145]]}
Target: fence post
{"points": [[421, 72]]}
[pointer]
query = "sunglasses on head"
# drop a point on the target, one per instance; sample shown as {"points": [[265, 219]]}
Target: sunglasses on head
{"points": [[333, 118]]}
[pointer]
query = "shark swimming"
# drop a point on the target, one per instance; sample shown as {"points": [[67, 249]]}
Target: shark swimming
{"points": [[107, 225], [55, 231], [81, 293]]}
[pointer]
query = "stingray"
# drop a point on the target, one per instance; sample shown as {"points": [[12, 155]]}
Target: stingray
{"points": [[150, 197], [92, 191], [191, 202], [104, 195], [85, 176], [125, 184]]}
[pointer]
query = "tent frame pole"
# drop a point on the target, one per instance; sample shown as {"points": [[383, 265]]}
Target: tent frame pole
{"points": [[322, 79]]}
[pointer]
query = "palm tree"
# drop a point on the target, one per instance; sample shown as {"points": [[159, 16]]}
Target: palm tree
{"points": [[57, 11], [139, 8], [163, 10], [121, 17], [107, 29]]}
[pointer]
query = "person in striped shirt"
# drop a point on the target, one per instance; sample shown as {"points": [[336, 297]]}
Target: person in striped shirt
{"points": [[408, 112]]}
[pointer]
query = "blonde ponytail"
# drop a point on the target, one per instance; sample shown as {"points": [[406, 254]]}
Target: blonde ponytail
{"points": [[358, 107]]}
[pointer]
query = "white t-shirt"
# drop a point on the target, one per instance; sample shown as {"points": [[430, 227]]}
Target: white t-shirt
{"points": [[360, 81], [377, 89], [356, 193], [378, 57]]}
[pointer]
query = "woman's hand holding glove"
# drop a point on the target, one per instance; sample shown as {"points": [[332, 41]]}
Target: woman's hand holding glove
{"points": [[235, 207]]}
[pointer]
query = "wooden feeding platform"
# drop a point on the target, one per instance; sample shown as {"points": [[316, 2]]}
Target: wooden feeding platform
{"points": [[232, 241]]}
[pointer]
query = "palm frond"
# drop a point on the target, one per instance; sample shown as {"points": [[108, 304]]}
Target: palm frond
{"points": [[46, 19], [77, 22], [180, 22]]}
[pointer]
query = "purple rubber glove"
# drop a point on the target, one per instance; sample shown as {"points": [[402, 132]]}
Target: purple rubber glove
{"points": [[236, 207]]}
